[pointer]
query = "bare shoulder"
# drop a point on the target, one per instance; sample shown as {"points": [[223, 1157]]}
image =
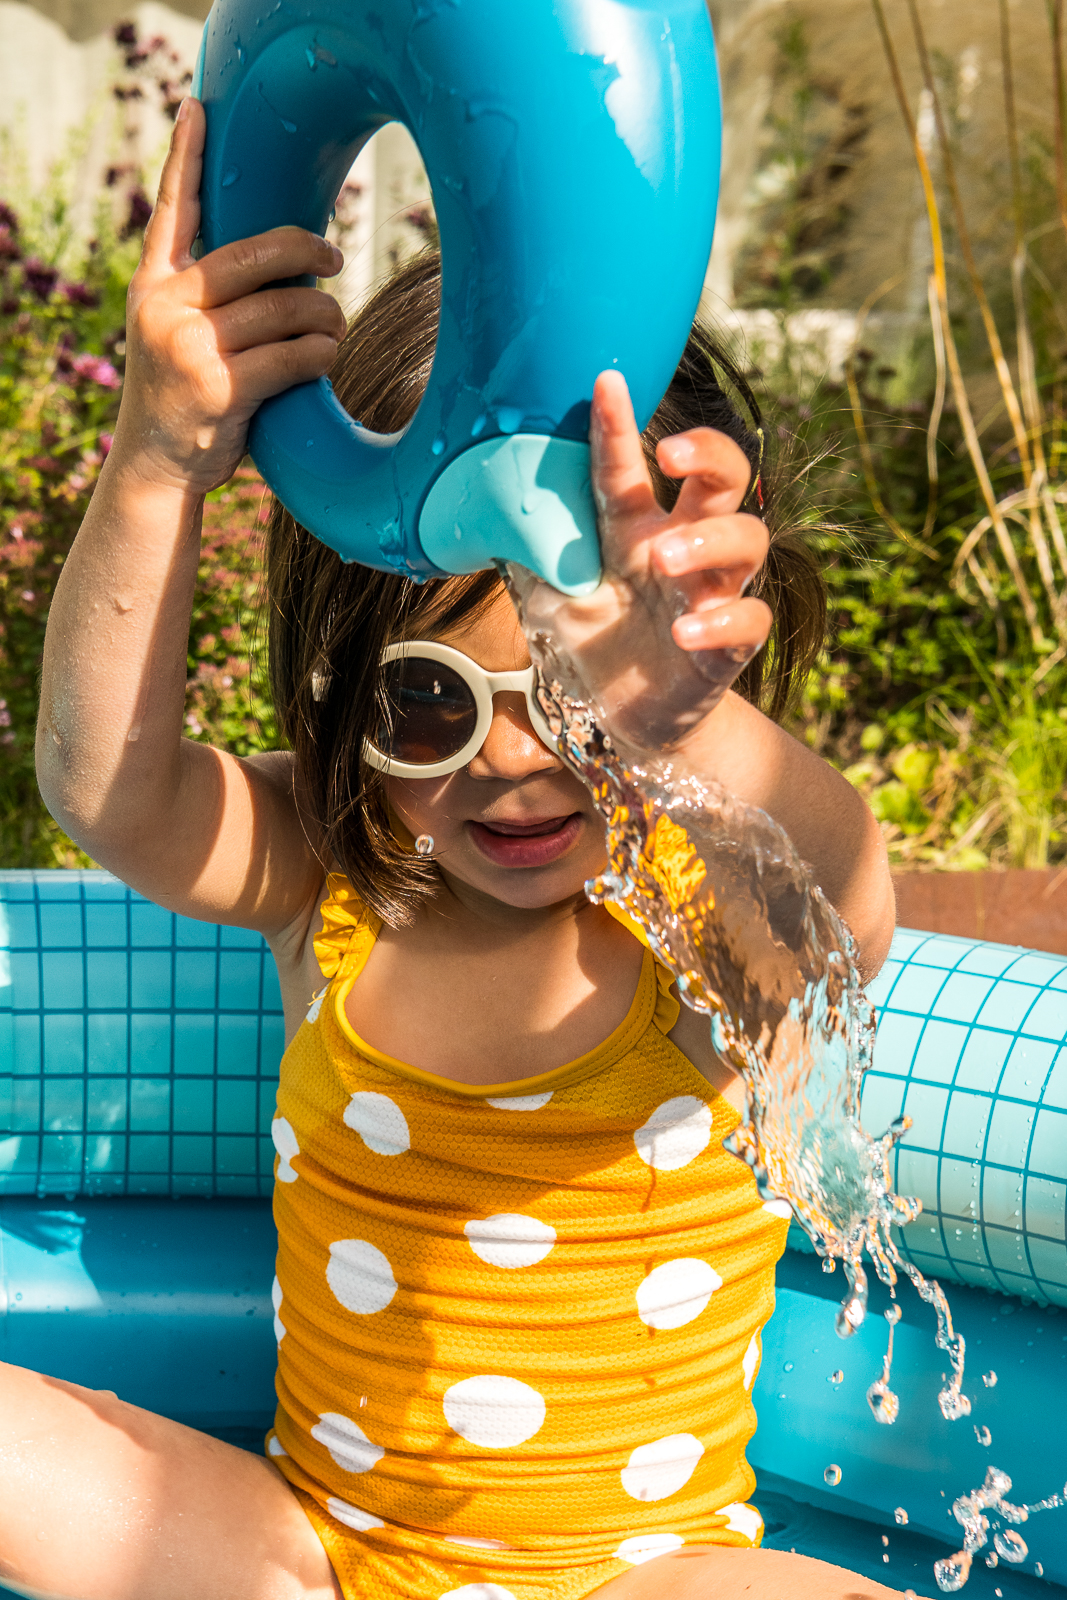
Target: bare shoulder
{"points": [[692, 1035]]}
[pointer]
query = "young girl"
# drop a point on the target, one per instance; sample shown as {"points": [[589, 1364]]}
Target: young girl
{"points": [[520, 1283]]}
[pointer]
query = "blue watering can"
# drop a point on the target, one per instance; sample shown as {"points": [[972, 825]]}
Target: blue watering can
{"points": [[573, 151]]}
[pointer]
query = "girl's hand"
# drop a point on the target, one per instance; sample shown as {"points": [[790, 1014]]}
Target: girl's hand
{"points": [[659, 642], [205, 342]]}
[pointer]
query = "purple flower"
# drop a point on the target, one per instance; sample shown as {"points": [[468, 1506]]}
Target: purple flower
{"points": [[80, 294], [140, 211], [9, 244], [39, 278], [98, 369]]}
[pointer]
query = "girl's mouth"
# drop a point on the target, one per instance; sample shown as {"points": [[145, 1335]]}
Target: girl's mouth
{"points": [[526, 844]]}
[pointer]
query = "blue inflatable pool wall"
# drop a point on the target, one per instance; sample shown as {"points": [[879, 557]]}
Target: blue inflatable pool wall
{"points": [[138, 1062]]}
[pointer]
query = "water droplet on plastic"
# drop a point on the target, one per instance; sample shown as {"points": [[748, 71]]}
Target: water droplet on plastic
{"points": [[438, 445], [290, 127], [901, 1516], [788, 1367], [989, 1379], [1039, 1569], [835, 1377], [478, 425], [983, 1435], [230, 177], [1010, 1545], [885, 1538], [884, 1404], [832, 1475], [424, 845], [952, 1573], [509, 419]]}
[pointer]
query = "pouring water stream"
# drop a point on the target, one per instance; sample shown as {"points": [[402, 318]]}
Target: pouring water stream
{"points": [[727, 904]]}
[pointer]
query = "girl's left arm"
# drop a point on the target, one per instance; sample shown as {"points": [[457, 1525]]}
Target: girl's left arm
{"points": [[831, 826]]}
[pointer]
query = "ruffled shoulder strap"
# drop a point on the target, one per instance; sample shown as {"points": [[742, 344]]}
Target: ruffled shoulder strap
{"points": [[668, 1006], [348, 928]]}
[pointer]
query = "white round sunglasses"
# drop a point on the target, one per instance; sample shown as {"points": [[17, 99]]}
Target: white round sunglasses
{"points": [[441, 709]]}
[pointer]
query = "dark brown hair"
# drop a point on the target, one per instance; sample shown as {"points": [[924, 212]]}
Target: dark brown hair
{"points": [[329, 622]]}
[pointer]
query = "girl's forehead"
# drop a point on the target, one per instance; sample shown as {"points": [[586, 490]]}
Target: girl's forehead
{"points": [[491, 636]]}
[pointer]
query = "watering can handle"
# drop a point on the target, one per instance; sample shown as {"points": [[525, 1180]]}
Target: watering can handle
{"points": [[573, 154]]}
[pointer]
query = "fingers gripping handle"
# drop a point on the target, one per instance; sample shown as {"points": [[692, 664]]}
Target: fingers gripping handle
{"points": [[573, 154]]}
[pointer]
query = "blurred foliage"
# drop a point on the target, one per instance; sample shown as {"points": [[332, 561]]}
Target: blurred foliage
{"points": [[943, 531], [62, 356]]}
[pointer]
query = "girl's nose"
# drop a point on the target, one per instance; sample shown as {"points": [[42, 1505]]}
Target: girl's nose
{"points": [[512, 750]]}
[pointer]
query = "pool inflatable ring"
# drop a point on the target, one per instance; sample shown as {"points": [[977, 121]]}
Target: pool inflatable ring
{"points": [[138, 1067], [573, 152]]}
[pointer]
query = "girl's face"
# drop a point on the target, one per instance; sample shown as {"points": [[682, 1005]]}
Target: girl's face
{"points": [[513, 823]]}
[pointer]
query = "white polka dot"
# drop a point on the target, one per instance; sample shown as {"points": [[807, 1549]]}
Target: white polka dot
{"points": [[520, 1102], [646, 1546], [742, 1519], [347, 1444], [676, 1292], [494, 1412], [476, 1544], [751, 1361], [779, 1208], [276, 1302], [315, 1007], [479, 1591], [275, 1446], [360, 1276], [285, 1143], [661, 1468], [379, 1122], [352, 1516], [675, 1133], [509, 1240]]}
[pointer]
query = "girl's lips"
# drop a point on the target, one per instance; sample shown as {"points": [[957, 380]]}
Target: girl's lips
{"points": [[526, 844]]}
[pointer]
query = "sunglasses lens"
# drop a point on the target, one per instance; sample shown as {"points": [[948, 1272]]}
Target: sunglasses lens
{"points": [[433, 713]]}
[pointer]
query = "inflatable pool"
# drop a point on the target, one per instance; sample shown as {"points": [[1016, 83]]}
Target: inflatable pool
{"points": [[138, 1061]]}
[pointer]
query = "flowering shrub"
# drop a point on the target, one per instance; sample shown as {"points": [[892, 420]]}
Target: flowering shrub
{"points": [[61, 365]]}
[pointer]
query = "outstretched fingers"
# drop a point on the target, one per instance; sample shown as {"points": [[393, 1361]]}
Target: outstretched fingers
{"points": [[621, 484], [175, 218], [741, 627], [715, 473]]}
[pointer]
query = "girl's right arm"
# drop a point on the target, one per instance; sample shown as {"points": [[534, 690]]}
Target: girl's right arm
{"points": [[195, 829]]}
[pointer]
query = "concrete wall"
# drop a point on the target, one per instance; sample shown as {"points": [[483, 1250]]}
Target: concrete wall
{"points": [[57, 66]]}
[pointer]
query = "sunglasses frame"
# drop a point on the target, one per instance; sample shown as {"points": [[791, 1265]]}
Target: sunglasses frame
{"points": [[483, 686]]}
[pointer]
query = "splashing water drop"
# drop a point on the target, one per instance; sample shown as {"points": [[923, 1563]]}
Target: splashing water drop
{"points": [[901, 1516], [983, 1435], [1009, 1545], [885, 1538], [952, 1573], [1039, 1569], [832, 1475], [424, 845], [992, 1559], [989, 1379]]}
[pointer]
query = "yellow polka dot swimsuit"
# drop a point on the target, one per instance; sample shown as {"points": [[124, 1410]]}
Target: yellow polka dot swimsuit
{"points": [[517, 1324]]}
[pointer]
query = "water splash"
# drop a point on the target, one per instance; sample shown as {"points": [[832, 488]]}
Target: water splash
{"points": [[727, 904], [970, 1511]]}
